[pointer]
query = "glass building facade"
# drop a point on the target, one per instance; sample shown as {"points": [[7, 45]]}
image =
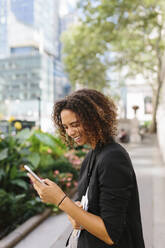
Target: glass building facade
{"points": [[27, 82], [38, 21], [23, 10], [22, 77], [46, 23], [30, 79], [3, 28], [61, 84]]}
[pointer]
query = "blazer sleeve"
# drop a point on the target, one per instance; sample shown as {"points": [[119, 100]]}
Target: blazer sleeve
{"points": [[115, 184]]}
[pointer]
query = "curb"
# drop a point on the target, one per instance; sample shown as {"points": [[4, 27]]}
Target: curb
{"points": [[20, 232]]}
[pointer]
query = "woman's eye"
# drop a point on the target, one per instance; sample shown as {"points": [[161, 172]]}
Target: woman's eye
{"points": [[72, 125], [75, 125]]}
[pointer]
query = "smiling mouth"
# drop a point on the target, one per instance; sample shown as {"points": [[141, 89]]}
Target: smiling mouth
{"points": [[77, 138]]}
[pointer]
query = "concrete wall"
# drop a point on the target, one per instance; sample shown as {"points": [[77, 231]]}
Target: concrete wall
{"points": [[161, 123], [125, 124], [136, 94]]}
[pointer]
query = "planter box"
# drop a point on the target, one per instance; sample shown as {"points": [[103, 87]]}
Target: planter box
{"points": [[19, 233]]}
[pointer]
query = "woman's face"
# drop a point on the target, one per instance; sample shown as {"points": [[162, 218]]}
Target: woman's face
{"points": [[73, 127]]}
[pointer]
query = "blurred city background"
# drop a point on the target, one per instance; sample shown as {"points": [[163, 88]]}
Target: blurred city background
{"points": [[49, 48]]}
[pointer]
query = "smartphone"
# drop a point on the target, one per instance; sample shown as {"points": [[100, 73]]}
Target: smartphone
{"points": [[33, 174]]}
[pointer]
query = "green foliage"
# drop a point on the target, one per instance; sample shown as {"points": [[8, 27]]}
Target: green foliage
{"points": [[15, 209], [131, 29], [23, 135], [12, 178], [83, 58], [44, 141], [44, 153], [63, 165], [34, 159], [146, 126], [80, 153], [125, 36]]}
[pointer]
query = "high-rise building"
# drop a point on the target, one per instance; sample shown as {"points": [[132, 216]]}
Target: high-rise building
{"points": [[3, 28], [29, 52], [29, 24], [69, 19]]}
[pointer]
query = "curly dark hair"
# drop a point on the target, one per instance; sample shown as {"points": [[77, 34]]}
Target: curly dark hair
{"points": [[95, 111]]}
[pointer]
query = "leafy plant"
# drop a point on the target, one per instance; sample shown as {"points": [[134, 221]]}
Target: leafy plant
{"points": [[44, 153], [15, 209]]}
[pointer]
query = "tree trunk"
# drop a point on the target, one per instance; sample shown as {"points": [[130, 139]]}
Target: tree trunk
{"points": [[153, 127]]}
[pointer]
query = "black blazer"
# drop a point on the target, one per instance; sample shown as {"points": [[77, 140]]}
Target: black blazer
{"points": [[113, 195]]}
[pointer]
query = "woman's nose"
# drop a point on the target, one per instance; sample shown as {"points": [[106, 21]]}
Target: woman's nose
{"points": [[71, 131]]}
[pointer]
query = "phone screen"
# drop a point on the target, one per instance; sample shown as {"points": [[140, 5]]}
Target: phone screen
{"points": [[33, 174]]}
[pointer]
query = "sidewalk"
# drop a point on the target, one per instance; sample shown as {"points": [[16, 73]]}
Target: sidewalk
{"points": [[47, 233], [150, 171]]}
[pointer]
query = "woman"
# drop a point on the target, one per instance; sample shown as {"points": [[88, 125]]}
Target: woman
{"points": [[113, 216]]}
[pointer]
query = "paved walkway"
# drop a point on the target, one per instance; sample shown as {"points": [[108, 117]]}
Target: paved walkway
{"points": [[150, 171]]}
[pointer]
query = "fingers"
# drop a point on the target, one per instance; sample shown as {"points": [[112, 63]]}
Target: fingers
{"points": [[78, 228], [33, 179], [74, 223], [48, 182], [37, 185], [49, 191], [78, 203]]}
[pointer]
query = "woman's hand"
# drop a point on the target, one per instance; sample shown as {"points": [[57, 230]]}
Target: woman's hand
{"points": [[73, 222], [49, 192]]}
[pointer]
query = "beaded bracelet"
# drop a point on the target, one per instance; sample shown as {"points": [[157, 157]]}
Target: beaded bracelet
{"points": [[61, 200]]}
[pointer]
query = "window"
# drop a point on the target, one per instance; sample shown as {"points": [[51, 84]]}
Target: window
{"points": [[2, 20], [33, 96], [148, 105], [15, 87], [33, 85], [23, 50]]}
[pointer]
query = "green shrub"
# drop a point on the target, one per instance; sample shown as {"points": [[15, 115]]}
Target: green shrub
{"points": [[15, 209], [44, 153]]}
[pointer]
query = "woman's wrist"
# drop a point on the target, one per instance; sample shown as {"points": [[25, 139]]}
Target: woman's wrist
{"points": [[63, 198], [65, 204]]}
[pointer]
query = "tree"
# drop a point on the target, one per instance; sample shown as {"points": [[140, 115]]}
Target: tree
{"points": [[134, 32], [82, 56]]}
